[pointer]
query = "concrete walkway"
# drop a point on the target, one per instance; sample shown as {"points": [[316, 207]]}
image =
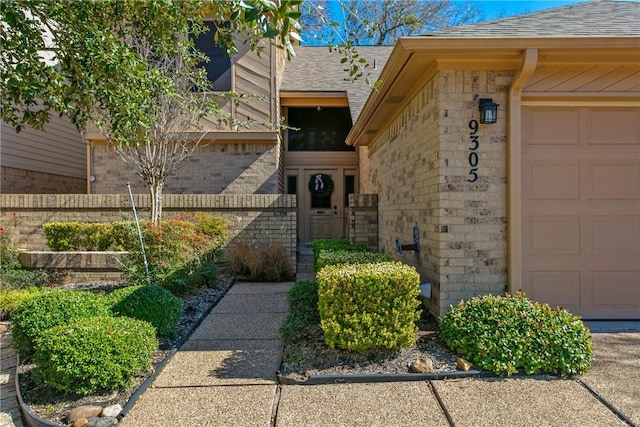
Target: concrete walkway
{"points": [[225, 376]]}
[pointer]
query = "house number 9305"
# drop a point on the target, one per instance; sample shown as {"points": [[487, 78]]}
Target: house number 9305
{"points": [[473, 155]]}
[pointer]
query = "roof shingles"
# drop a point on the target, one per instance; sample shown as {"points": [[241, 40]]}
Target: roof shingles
{"points": [[592, 18]]}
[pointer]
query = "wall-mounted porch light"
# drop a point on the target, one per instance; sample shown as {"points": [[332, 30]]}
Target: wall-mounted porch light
{"points": [[488, 111]]}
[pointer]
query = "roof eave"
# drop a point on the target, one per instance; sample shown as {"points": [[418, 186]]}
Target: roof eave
{"points": [[503, 49]]}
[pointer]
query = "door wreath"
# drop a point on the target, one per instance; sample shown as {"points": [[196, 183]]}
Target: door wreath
{"points": [[321, 185]]}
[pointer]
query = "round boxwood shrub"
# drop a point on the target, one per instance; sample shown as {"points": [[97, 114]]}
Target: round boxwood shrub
{"points": [[153, 304], [11, 298], [94, 354], [35, 315], [369, 306], [504, 334]]}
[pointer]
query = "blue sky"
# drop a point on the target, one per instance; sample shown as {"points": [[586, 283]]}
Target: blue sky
{"points": [[493, 9]]}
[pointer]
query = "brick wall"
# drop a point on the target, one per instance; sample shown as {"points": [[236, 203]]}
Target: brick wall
{"points": [[19, 181], [252, 218], [419, 168], [362, 215], [238, 168]]}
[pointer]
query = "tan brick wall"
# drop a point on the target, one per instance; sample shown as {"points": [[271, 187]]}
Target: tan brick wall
{"points": [[253, 218], [419, 168], [19, 181], [241, 168], [362, 215]]}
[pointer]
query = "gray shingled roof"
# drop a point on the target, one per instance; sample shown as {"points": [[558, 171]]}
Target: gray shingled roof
{"points": [[591, 18], [316, 69]]}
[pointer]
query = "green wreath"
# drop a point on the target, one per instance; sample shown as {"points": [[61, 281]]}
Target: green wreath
{"points": [[320, 185]]}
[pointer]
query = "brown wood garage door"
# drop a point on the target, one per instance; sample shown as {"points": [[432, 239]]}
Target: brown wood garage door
{"points": [[581, 209]]}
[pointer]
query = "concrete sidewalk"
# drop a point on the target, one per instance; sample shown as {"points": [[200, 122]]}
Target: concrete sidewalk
{"points": [[225, 375]]}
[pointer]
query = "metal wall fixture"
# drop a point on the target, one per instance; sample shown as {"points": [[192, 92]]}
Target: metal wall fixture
{"points": [[488, 111], [415, 246]]}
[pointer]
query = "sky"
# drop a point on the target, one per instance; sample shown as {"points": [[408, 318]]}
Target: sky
{"points": [[494, 9]]}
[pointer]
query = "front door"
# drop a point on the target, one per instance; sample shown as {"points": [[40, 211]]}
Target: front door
{"points": [[321, 193]]}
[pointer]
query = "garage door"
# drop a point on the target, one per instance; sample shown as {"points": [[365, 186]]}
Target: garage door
{"points": [[581, 209]]}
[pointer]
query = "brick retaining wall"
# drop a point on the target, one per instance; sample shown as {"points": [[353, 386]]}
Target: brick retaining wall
{"points": [[253, 218]]}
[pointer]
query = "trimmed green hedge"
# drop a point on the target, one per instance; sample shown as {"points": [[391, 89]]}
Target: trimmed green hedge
{"points": [[321, 245], [153, 304], [93, 354], [335, 257], [504, 334], [90, 236], [34, 316], [369, 306]]}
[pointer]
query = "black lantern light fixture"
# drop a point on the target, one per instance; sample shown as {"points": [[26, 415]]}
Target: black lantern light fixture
{"points": [[488, 111]]}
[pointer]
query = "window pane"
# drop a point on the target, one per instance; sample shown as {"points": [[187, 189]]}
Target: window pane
{"points": [[292, 184], [319, 129], [219, 66], [349, 187]]}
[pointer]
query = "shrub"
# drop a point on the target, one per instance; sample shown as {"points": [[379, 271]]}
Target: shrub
{"points": [[13, 275], [11, 298], [503, 334], [321, 245], [21, 278], [350, 257], [181, 252], [78, 236], [91, 354], [153, 304], [303, 303], [268, 262], [35, 315], [369, 306]]}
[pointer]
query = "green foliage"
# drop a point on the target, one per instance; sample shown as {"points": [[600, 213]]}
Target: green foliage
{"points": [[18, 279], [504, 334], [11, 298], [369, 306], [90, 236], [335, 257], [268, 262], [153, 304], [12, 274], [35, 315], [181, 252], [80, 236], [94, 354], [321, 245], [303, 303], [8, 253], [98, 74]]}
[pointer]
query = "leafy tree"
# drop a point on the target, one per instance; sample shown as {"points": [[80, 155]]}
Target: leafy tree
{"points": [[127, 67], [381, 22]]}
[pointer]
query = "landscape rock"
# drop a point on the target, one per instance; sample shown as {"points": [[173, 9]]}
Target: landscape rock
{"points": [[423, 365], [111, 411], [463, 364], [80, 422], [102, 422], [86, 411]]}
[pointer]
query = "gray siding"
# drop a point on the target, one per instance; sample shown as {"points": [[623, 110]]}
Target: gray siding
{"points": [[59, 150]]}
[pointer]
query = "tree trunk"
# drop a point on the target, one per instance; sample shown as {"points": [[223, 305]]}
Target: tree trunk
{"points": [[155, 191]]}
